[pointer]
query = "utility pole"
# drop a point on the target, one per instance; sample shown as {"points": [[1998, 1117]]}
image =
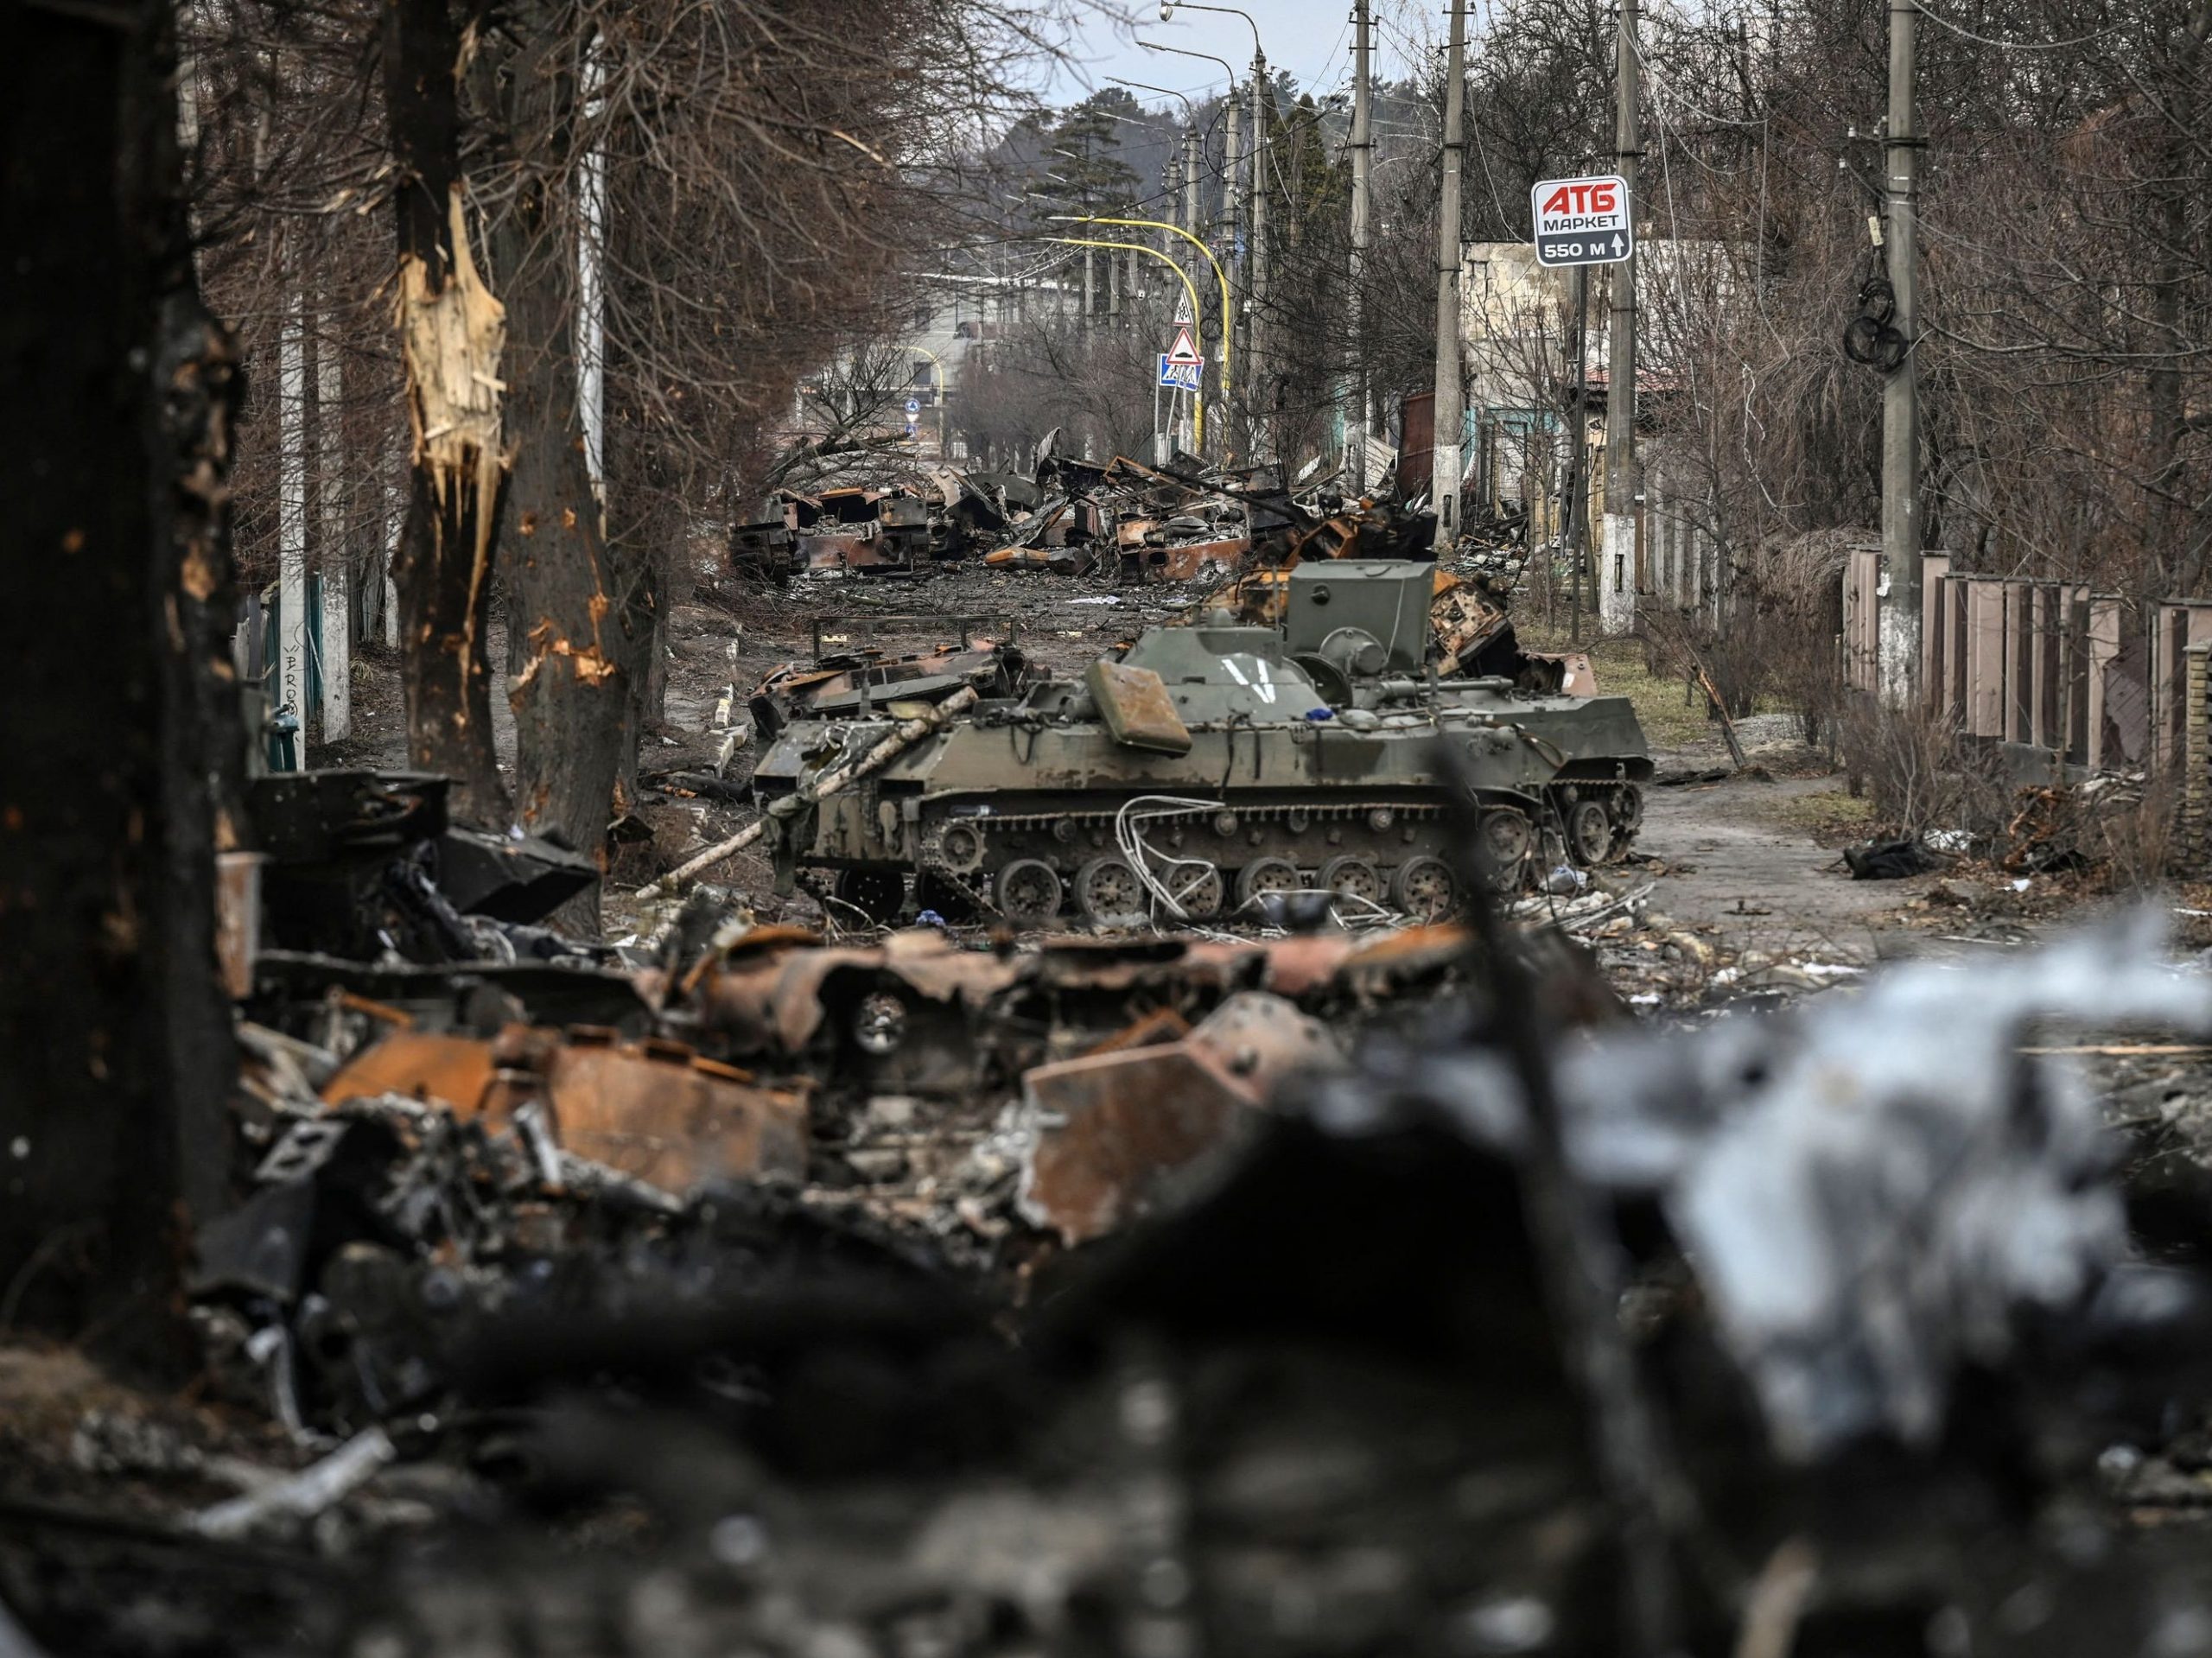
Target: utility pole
{"points": [[1451, 394], [337, 635], [292, 515], [1232, 213], [1617, 572], [1190, 179], [1363, 148], [1255, 369], [1899, 649], [1578, 497]]}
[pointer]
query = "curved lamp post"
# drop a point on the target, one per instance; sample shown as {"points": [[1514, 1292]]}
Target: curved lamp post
{"points": [[1198, 402]]}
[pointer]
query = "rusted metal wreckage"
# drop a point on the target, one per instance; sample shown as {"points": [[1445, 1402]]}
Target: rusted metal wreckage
{"points": [[894, 529], [1180, 522], [1124, 1060]]}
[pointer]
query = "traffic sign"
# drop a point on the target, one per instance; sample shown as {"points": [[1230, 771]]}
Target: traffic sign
{"points": [[1186, 351], [1582, 221], [913, 405], [1181, 377]]}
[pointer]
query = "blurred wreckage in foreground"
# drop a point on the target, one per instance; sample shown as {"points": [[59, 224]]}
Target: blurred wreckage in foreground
{"points": [[1307, 1294], [1317, 1292]]}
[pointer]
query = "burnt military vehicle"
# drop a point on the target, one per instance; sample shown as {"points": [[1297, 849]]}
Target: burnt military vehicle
{"points": [[1212, 767]]}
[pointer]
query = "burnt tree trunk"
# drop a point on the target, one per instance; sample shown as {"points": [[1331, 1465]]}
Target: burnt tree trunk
{"points": [[452, 333], [568, 609], [116, 1057], [639, 494]]}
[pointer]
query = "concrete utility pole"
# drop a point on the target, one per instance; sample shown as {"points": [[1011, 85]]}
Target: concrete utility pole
{"points": [[1578, 464], [395, 521], [1232, 213], [292, 520], [337, 561], [1451, 393], [1190, 178], [1899, 644], [1617, 572], [1255, 358], [1363, 154]]}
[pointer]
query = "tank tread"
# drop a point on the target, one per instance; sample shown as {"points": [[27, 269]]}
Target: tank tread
{"points": [[1421, 811]]}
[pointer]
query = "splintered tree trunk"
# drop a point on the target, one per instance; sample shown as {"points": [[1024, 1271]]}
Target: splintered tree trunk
{"points": [[452, 332], [567, 614], [116, 1060]]}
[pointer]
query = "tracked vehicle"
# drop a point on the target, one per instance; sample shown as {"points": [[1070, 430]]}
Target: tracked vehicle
{"points": [[1214, 769]]}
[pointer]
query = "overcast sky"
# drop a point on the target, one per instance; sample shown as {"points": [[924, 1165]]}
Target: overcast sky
{"points": [[1312, 39]]}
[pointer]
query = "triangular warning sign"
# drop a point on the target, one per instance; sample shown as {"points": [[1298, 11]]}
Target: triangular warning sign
{"points": [[1185, 352]]}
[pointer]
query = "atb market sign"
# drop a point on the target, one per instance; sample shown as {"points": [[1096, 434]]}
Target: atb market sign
{"points": [[1582, 221]]}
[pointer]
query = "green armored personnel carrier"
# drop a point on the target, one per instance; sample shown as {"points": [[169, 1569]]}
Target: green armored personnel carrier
{"points": [[1211, 767]]}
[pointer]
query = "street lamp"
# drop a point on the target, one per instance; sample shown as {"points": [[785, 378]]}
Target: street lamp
{"points": [[1257, 289], [1198, 403], [1186, 52], [1220, 275], [1189, 113], [1188, 206], [1169, 7]]}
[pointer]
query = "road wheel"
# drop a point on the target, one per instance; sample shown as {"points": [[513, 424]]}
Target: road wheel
{"points": [[879, 894], [1425, 889], [1589, 832], [1107, 890], [1628, 811], [1266, 875], [1197, 886], [1352, 878], [1028, 892], [961, 848], [1502, 847]]}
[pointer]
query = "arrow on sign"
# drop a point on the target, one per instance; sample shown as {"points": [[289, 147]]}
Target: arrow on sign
{"points": [[1619, 246]]}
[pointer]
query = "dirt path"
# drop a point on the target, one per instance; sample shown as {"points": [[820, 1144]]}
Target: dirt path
{"points": [[1735, 863]]}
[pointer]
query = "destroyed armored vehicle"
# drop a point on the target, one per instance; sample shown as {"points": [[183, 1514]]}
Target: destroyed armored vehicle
{"points": [[1212, 770], [851, 672]]}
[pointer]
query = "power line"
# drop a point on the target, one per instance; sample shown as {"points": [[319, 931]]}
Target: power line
{"points": [[1962, 31], [1652, 70]]}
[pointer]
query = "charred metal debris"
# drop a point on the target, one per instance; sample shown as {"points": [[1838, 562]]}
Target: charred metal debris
{"points": [[1184, 521], [952, 1291], [1320, 1292]]}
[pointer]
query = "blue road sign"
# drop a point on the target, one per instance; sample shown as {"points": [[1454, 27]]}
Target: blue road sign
{"points": [[1181, 377]]}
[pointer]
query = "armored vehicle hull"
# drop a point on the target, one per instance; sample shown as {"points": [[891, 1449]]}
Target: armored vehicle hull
{"points": [[1216, 770]]}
